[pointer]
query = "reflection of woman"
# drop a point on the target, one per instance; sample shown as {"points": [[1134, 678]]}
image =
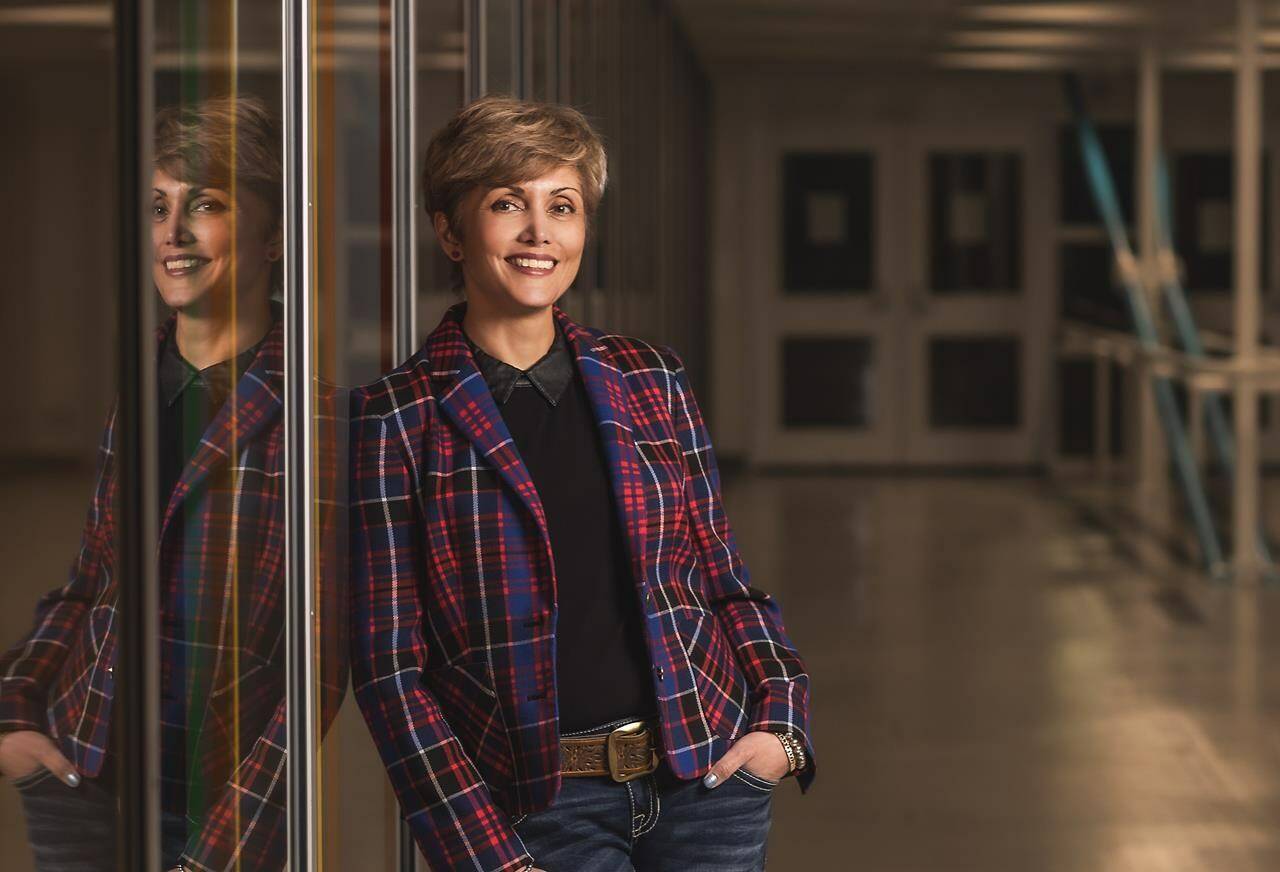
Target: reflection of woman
{"points": [[555, 639], [219, 357]]}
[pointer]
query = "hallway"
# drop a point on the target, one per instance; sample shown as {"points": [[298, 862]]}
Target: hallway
{"points": [[998, 689]]}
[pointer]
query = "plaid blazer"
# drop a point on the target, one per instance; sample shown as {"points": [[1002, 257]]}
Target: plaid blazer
{"points": [[60, 678], [454, 600]]}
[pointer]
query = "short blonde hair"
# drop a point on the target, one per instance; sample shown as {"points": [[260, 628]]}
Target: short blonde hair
{"points": [[500, 140], [222, 140]]}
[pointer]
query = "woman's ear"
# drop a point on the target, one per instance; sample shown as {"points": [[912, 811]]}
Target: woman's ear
{"points": [[448, 240]]}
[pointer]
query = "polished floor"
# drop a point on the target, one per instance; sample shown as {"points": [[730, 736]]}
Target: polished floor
{"points": [[998, 687]]}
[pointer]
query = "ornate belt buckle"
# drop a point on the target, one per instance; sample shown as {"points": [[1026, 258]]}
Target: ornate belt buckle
{"points": [[614, 755]]}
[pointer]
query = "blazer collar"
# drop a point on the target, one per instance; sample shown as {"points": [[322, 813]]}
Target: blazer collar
{"points": [[464, 397], [257, 400]]}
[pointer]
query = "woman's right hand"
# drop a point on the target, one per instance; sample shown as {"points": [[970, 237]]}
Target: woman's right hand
{"points": [[24, 751]]}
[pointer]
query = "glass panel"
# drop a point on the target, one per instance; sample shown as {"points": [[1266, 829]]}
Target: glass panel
{"points": [[503, 47], [1088, 287], [1204, 218], [975, 382], [441, 91], [828, 381], [975, 227], [58, 362], [827, 231], [1077, 200]]}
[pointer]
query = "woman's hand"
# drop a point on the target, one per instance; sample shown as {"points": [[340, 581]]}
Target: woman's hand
{"points": [[759, 753], [24, 751]]}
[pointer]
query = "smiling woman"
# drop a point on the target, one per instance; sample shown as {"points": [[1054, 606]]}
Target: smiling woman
{"points": [[216, 215], [552, 624]]}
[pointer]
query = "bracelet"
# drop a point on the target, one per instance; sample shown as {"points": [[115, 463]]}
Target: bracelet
{"points": [[795, 750], [785, 740]]}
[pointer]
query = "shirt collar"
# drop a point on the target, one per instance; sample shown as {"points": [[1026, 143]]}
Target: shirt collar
{"points": [[177, 374], [549, 376]]}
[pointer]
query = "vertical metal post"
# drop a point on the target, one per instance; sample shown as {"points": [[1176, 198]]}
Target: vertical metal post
{"points": [[299, 409], [1153, 458], [136, 714], [404, 180], [404, 238], [1248, 222]]}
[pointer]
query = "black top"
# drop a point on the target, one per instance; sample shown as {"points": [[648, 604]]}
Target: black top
{"points": [[602, 664]]}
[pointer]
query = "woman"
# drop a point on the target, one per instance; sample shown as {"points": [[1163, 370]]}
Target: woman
{"points": [[215, 262], [555, 643]]}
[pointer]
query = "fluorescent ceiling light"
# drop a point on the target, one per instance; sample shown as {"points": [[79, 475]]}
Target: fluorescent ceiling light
{"points": [[1002, 60], [71, 15], [1058, 13], [1031, 39]]}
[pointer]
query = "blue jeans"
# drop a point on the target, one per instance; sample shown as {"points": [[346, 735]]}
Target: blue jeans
{"points": [[73, 829], [657, 823]]}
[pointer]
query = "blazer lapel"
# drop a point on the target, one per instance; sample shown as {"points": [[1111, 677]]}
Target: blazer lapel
{"points": [[610, 404], [257, 400], [463, 397]]}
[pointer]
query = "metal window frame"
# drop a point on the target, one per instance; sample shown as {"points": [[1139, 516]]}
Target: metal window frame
{"points": [[136, 709], [298, 53], [404, 238]]}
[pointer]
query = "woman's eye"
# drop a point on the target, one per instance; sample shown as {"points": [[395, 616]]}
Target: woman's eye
{"points": [[563, 209], [159, 211], [498, 206], [206, 206]]}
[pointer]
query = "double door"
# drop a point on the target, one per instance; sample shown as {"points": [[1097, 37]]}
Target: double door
{"points": [[902, 311]]}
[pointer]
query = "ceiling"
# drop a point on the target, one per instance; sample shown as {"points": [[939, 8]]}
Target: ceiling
{"points": [[1024, 35], [986, 34]]}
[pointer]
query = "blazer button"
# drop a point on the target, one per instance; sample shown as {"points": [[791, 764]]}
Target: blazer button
{"points": [[658, 670]]}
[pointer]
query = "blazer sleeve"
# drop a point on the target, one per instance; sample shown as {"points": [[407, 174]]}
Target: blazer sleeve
{"points": [[748, 616], [246, 827], [30, 666], [453, 817]]}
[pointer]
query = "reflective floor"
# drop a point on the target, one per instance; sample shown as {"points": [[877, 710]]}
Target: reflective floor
{"points": [[997, 687]]}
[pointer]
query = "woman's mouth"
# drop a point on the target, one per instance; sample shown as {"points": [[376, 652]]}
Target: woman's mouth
{"points": [[183, 264], [532, 266]]}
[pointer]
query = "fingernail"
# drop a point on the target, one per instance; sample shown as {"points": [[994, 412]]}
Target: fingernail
{"points": [[711, 780], [73, 779]]}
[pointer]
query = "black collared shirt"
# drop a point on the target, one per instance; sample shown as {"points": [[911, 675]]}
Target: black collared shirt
{"points": [[602, 662], [189, 400], [549, 376]]}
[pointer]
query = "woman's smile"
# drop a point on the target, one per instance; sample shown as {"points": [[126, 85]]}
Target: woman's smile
{"points": [[532, 265], [178, 265]]}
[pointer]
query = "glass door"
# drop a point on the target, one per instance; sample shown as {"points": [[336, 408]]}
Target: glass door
{"points": [[975, 307], [907, 309], [828, 327]]}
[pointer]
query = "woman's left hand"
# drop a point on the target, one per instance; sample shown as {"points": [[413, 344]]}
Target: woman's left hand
{"points": [[759, 753]]}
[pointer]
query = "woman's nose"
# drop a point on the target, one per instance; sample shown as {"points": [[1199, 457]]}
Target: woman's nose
{"points": [[536, 232], [176, 230]]}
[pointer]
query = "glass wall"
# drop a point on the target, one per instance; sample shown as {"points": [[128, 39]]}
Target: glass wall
{"points": [[221, 235]]}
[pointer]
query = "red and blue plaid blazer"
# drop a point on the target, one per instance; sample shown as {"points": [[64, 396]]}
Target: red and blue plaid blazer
{"points": [[60, 678], [453, 590]]}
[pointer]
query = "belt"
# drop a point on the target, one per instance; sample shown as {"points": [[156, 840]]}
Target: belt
{"points": [[624, 754]]}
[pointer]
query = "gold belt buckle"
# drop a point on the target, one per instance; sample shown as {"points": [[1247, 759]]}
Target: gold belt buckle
{"points": [[614, 758]]}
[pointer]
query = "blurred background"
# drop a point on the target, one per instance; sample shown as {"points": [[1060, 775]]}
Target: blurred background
{"points": [[1028, 568]]}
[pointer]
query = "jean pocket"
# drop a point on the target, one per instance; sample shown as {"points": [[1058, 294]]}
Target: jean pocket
{"points": [[754, 781], [31, 779]]}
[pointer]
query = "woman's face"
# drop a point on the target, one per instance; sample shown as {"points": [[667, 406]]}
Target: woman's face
{"points": [[204, 244], [521, 245]]}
